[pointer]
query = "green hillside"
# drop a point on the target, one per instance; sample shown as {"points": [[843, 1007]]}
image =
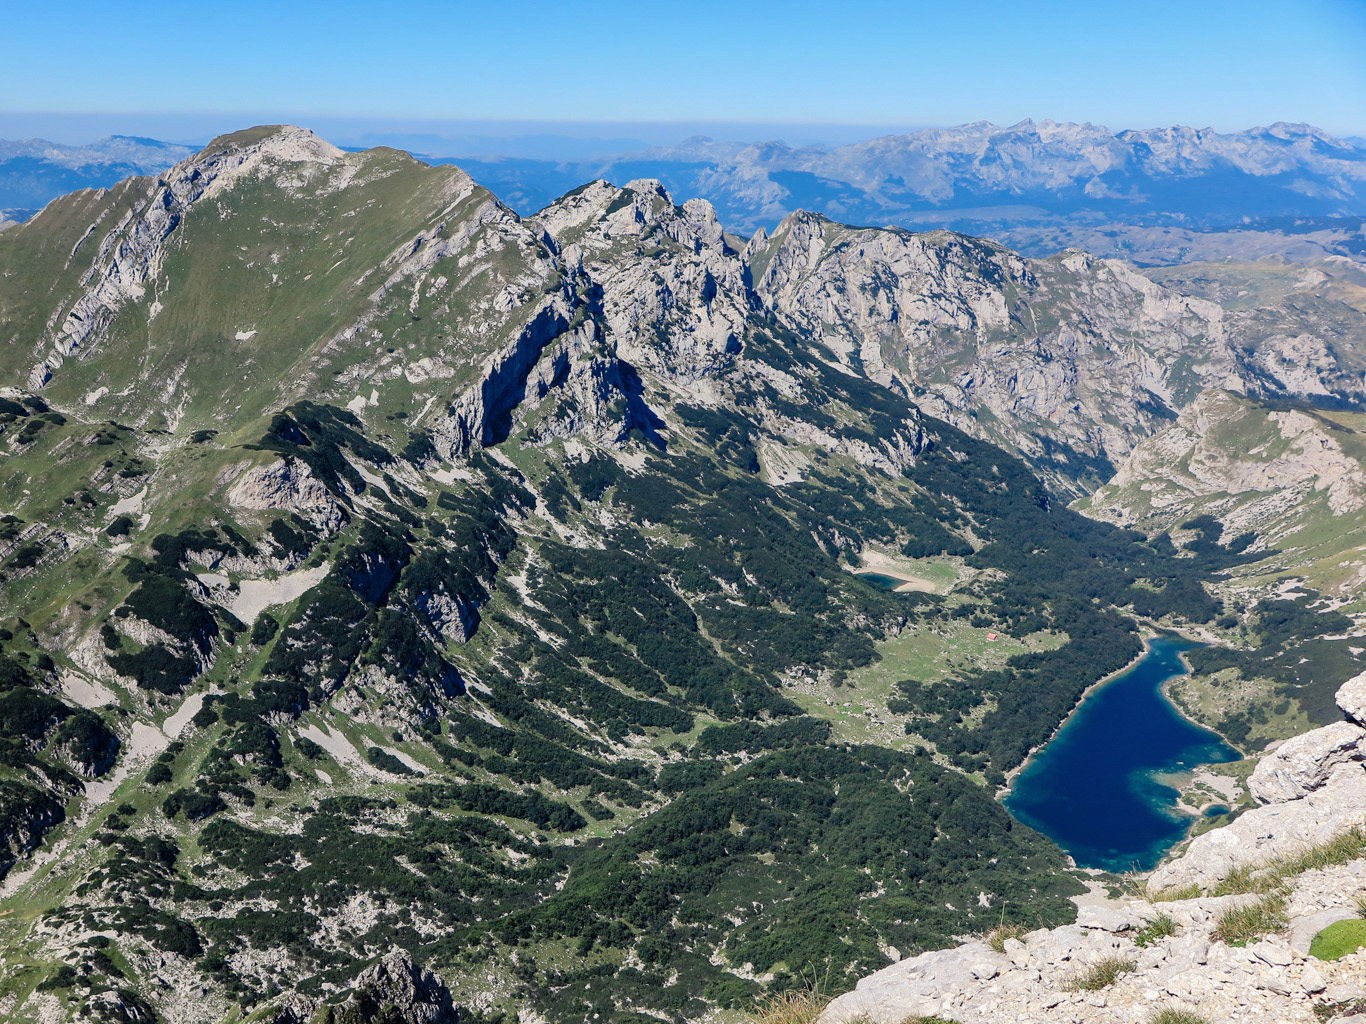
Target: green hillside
{"points": [[380, 570]]}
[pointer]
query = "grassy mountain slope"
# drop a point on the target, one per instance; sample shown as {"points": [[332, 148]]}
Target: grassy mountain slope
{"points": [[1285, 485], [478, 604]]}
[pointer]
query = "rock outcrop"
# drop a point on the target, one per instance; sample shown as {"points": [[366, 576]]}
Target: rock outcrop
{"points": [[1171, 954], [1306, 763], [492, 323], [396, 990], [1351, 697], [130, 258], [1071, 360], [285, 485]]}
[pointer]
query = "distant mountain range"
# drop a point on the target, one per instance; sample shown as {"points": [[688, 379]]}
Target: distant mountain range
{"points": [[1157, 196], [33, 171]]}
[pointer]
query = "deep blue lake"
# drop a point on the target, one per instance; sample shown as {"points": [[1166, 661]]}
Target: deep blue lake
{"points": [[1093, 788]]}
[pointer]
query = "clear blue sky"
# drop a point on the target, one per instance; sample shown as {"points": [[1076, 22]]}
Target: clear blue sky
{"points": [[374, 66]]}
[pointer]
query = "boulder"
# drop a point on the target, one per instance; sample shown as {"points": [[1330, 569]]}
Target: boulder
{"points": [[1311, 980], [1306, 762], [1106, 919], [916, 986], [1351, 698]]}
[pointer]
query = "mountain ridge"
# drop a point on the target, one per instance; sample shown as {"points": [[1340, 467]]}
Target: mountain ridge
{"points": [[383, 569], [1037, 186], [993, 366]]}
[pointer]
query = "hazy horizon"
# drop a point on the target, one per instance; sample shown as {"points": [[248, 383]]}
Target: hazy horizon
{"points": [[462, 76], [537, 140]]}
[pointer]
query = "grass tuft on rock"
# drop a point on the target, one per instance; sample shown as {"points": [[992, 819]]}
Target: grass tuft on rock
{"points": [[1343, 848], [996, 938], [1176, 1017], [1161, 927], [1173, 893], [796, 1006], [1101, 974], [1240, 925], [1248, 878], [1272, 876]]}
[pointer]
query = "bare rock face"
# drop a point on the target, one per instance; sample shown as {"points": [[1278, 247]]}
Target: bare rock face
{"points": [[453, 618], [1192, 459], [672, 295], [1306, 763], [395, 990], [288, 486], [1351, 697], [917, 986], [1275, 830], [130, 258], [1071, 361]]}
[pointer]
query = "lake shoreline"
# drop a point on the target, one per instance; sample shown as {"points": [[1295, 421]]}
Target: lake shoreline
{"points": [[1166, 695], [1151, 632], [1004, 791], [909, 583], [1102, 787]]}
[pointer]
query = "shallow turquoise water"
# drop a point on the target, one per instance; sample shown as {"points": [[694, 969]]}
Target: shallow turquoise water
{"points": [[879, 580], [1093, 790]]}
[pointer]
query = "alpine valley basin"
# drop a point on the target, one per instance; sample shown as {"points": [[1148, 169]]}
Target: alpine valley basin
{"points": [[1093, 788]]}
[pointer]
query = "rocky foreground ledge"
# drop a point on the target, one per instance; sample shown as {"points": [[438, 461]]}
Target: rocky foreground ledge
{"points": [[1223, 932]]}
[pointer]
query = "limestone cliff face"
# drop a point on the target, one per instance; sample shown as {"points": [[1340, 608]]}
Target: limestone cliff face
{"points": [[1070, 360], [671, 293], [1312, 789], [1294, 478], [130, 258], [1201, 453]]}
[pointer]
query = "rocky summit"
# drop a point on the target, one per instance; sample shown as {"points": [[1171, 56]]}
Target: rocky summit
{"points": [[414, 611]]}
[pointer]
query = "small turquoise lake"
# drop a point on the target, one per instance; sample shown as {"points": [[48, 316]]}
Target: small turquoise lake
{"points": [[879, 580], [1093, 789]]}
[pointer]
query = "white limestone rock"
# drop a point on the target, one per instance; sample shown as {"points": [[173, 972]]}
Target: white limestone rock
{"points": [[1106, 919], [1351, 697], [969, 327], [916, 986], [1270, 831], [286, 485], [1304, 763]]}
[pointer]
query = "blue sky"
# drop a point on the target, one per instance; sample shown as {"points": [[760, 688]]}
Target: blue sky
{"points": [[657, 71]]}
